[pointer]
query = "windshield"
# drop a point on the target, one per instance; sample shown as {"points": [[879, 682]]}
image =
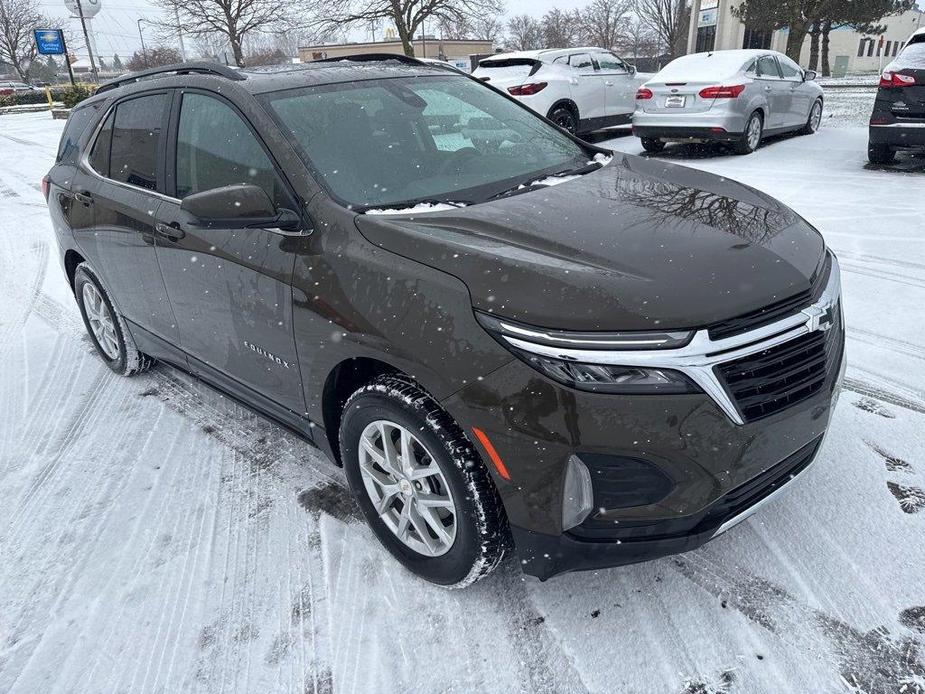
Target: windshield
{"points": [[392, 142]]}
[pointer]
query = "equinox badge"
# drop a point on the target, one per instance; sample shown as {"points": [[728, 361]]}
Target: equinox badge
{"points": [[264, 353]]}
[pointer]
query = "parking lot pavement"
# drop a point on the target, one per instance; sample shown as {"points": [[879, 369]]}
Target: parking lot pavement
{"points": [[156, 536]]}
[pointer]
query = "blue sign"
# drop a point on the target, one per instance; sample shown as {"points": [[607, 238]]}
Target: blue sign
{"points": [[49, 41]]}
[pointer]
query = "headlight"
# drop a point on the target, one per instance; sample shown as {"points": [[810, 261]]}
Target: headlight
{"points": [[601, 378]]}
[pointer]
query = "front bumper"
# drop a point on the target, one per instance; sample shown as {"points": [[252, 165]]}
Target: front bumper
{"points": [[669, 472]]}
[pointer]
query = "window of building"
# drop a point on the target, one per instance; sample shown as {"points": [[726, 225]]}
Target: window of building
{"points": [[870, 47], [862, 44], [757, 38], [706, 39]]}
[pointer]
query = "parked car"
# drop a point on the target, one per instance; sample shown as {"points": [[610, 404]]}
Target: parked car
{"points": [[738, 97], [500, 331], [898, 119], [578, 89], [7, 88]]}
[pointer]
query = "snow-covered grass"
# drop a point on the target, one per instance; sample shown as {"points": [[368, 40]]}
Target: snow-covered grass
{"points": [[156, 536]]}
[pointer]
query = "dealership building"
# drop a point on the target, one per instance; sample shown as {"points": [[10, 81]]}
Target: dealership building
{"points": [[460, 52], [717, 28]]}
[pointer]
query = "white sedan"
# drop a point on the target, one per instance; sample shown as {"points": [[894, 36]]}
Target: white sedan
{"points": [[579, 89]]}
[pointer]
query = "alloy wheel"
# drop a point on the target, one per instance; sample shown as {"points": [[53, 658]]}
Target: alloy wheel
{"points": [[407, 488], [815, 117], [753, 135], [101, 321]]}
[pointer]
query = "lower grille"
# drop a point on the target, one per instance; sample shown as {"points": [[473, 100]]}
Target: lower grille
{"points": [[774, 379]]}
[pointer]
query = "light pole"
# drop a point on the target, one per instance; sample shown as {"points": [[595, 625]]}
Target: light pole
{"points": [[144, 52]]}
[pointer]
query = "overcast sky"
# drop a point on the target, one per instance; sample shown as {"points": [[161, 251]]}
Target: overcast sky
{"points": [[116, 25]]}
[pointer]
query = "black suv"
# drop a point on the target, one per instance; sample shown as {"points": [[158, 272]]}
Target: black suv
{"points": [[507, 336], [898, 120]]}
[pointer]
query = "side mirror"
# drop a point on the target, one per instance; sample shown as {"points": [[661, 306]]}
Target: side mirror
{"points": [[237, 207], [632, 69], [809, 75]]}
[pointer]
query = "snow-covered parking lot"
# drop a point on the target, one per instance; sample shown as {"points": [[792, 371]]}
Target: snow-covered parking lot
{"points": [[157, 537]]}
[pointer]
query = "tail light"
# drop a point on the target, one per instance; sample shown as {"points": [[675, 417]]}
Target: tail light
{"points": [[45, 187], [730, 92], [527, 89], [890, 80], [643, 93], [5, 92]]}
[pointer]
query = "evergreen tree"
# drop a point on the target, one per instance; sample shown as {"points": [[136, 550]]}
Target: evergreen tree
{"points": [[117, 63]]}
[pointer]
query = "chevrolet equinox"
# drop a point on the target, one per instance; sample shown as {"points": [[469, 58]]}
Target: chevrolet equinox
{"points": [[510, 339]]}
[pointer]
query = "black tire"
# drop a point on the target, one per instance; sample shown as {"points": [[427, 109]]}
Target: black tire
{"points": [[812, 123], [128, 361], [880, 154], [482, 532], [746, 144], [652, 144], [565, 118]]}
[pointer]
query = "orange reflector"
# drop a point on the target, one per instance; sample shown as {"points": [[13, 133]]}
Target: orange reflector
{"points": [[492, 453]]}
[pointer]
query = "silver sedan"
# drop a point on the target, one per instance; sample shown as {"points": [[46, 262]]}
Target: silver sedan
{"points": [[738, 97]]}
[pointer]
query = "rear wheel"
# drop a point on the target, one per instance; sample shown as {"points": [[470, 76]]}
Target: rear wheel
{"points": [[421, 484], [652, 144], [107, 329], [814, 120], [564, 118], [880, 154], [751, 136]]}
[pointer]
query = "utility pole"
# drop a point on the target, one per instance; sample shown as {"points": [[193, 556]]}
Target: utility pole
{"points": [[67, 60], [180, 35], [83, 24], [144, 52]]}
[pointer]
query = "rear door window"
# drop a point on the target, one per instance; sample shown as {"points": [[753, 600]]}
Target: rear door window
{"points": [[99, 155], [581, 62], [767, 67], [136, 141]]}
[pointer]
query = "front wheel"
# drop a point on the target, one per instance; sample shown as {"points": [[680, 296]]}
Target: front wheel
{"points": [[880, 154], [652, 144], [814, 120], [107, 329], [421, 484], [751, 136]]}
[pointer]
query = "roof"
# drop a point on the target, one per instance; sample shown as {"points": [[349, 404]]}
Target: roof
{"points": [[258, 80], [542, 53]]}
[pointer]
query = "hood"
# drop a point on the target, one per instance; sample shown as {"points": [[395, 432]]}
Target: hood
{"points": [[637, 245]]}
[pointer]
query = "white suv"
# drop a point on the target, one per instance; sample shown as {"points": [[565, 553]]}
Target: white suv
{"points": [[579, 89]]}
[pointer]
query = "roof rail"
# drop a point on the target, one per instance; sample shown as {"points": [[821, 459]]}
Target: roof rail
{"points": [[371, 58], [200, 68]]}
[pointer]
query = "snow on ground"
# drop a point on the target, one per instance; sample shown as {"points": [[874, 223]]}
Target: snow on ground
{"points": [[158, 537]]}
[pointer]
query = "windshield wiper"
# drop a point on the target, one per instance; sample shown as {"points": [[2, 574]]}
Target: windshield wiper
{"points": [[533, 183]]}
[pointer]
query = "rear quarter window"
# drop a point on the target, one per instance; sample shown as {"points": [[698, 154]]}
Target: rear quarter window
{"points": [[912, 57], [77, 122]]}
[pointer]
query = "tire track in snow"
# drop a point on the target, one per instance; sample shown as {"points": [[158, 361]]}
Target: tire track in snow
{"points": [[873, 662], [891, 343]]}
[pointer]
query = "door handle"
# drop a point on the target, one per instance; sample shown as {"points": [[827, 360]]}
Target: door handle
{"points": [[84, 198], [609, 84], [168, 231], [768, 88]]}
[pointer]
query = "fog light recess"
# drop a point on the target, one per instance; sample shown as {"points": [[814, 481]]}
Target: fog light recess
{"points": [[577, 494]]}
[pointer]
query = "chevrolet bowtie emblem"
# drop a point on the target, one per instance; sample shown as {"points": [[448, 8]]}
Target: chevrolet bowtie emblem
{"points": [[819, 317]]}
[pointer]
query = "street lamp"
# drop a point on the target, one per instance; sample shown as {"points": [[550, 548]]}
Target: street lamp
{"points": [[144, 52]]}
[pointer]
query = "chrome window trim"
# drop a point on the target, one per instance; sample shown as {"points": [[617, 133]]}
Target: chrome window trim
{"points": [[698, 358], [85, 158]]}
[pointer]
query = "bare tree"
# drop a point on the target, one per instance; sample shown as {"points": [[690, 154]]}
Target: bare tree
{"points": [[487, 27], [524, 33], [233, 20], [561, 29], [603, 22], [669, 20], [18, 18], [638, 39], [408, 16]]}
